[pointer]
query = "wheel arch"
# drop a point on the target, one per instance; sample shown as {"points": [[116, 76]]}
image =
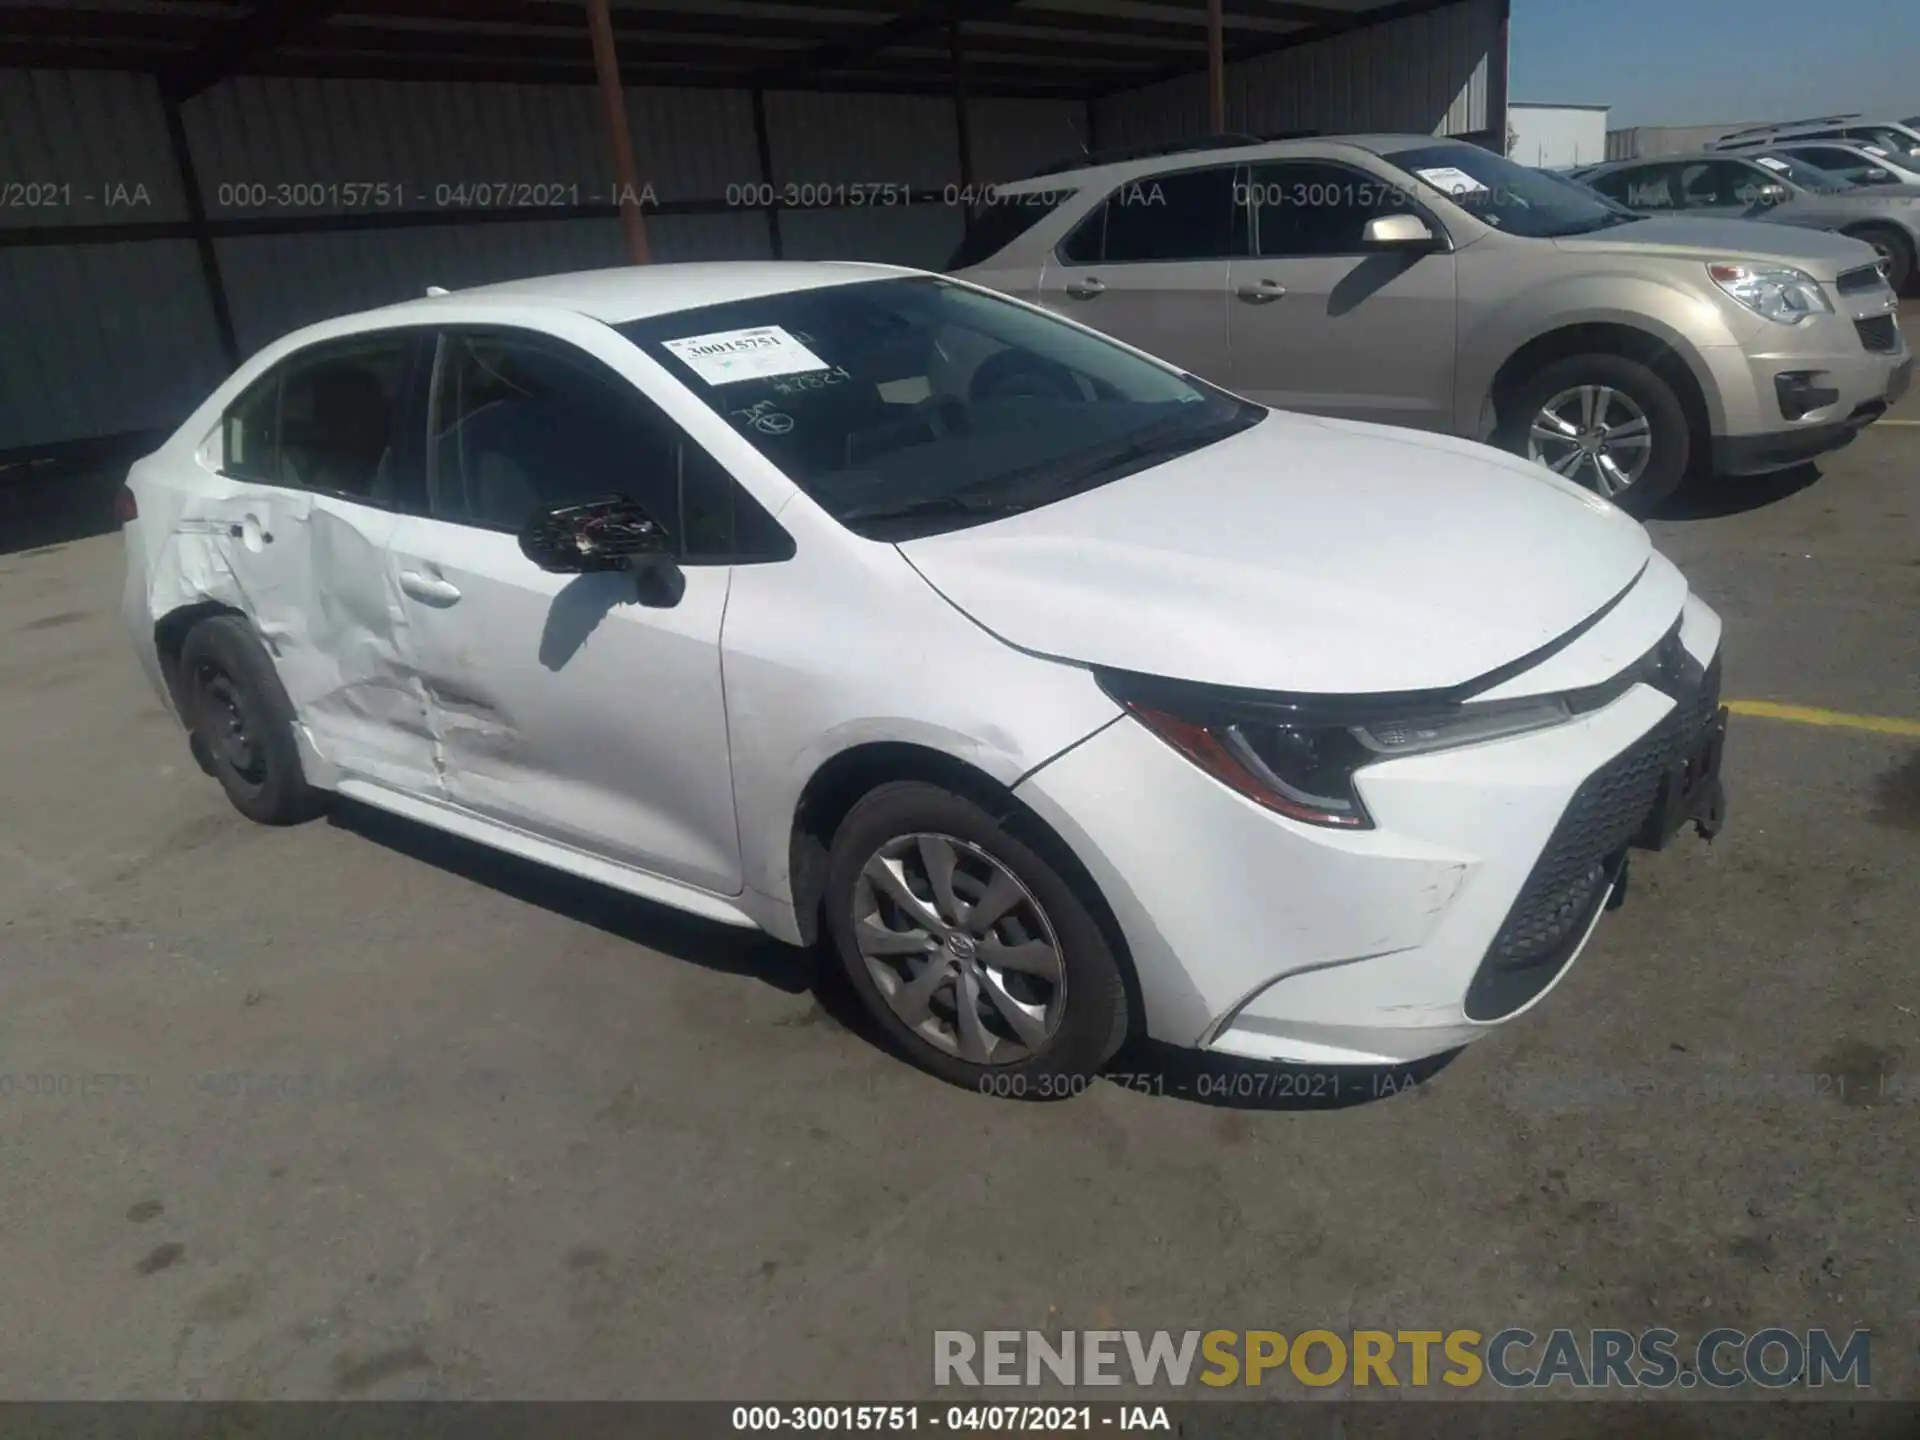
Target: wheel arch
{"points": [[840, 782], [170, 633], [1625, 341]]}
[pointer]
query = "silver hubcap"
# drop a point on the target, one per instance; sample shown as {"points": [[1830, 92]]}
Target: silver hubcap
{"points": [[959, 948], [1593, 435]]}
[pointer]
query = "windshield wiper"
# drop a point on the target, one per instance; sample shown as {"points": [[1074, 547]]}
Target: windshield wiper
{"points": [[982, 504]]}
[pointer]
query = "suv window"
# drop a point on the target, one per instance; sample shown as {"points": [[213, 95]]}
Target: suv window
{"points": [[1640, 187], [1316, 208], [1846, 164], [521, 425], [1710, 184], [1002, 219], [1187, 215], [324, 420]]}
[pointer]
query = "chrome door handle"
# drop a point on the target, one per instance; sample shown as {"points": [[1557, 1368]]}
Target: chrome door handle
{"points": [[1265, 293], [1086, 289], [430, 588]]}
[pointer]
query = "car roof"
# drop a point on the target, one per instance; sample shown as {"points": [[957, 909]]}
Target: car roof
{"points": [[1115, 171], [638, 292]]}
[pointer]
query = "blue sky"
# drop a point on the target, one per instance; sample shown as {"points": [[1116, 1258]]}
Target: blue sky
{"points": [[1706, 62]]}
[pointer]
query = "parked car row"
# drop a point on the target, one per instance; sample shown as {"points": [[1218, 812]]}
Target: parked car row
{"points": [[1430, 283], [1774, 185]]}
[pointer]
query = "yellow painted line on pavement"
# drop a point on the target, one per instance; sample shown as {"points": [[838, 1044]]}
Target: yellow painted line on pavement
{"points": [[1898, 422], [1813, 715]]}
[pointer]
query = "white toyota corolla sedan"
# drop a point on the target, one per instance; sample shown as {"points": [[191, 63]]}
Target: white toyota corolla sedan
{"points": [[1072, 698]]}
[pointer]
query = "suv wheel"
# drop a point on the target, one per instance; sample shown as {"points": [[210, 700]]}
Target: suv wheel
{"points": [[974, 957], [242, 723], [1605, 422], [1896, 255]]}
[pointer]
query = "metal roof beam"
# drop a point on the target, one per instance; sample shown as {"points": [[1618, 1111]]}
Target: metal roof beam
{"points": [[271, 25]]}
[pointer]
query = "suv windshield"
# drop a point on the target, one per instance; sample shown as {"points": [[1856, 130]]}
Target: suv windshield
{"points": [[1807, 177], [920, 404], [1507, 196]]}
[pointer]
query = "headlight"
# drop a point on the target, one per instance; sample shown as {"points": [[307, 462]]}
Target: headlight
{"points": [[1303, 765], [1778, 292]]}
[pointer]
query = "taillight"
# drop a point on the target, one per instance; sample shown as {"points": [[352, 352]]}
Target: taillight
{"points": [[125, 507]]}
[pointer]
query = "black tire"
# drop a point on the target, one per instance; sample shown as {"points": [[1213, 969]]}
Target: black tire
{"points": [[1897, 249], [1673, 441], [242, 723], [1092, 1010]]}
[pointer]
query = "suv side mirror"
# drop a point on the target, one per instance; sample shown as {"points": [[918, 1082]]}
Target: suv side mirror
{"points": [[613, 533], [1398, 232]]}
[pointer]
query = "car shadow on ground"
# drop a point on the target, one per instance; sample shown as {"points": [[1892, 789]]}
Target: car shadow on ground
{"points": [[1717, 496], [40, 510], [725, 948], [1228, 1082], [1147, 1066], [1222, 1081]]}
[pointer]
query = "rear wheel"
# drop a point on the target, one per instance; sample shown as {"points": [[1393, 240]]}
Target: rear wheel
{"points": [[242, 723], [1605, 422], [973, 955]]}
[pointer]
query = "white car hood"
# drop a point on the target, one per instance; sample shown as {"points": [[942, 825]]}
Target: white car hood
{"points": [[1302, 555]]}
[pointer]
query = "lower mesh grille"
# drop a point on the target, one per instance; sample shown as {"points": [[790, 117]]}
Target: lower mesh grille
{"points": [[1573, 875]]}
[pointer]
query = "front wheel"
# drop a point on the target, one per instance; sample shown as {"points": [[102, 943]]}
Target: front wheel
{"points": [[1896, 255], [1605, 422], [972, 954]]}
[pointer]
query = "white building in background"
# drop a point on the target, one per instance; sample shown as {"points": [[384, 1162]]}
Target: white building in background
{"points": [[1554, 137]]}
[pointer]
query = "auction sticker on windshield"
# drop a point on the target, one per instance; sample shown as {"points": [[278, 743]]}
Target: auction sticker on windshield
{"points": [[727, 356], [1449, 181]]}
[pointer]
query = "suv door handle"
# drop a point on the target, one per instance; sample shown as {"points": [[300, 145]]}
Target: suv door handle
{"points": [[1265, 293], [430, 588], [1086, 289]]}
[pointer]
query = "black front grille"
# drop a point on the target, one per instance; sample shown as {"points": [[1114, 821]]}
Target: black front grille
{"points": [[1859, 282], [1577, 868], [1879, 334]]}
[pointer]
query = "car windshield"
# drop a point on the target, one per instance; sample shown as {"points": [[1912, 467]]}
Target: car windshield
{"points": [[910, 405], [1799, 172], [1508, 196]]}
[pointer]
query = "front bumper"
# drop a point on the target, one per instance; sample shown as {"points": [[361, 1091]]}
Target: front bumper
{"points": [[1259, 937], [1809, 391]]}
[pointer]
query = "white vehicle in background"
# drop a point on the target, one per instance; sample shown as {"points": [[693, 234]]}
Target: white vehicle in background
{"points": [[1858, 164], [1073, 698], [1899, 138]]}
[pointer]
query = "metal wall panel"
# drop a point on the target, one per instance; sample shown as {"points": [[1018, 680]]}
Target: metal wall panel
{"points": [[919, 235], [433, 145], [1011, 139], [278, 283], [1426, 74], [1642, 142], [87, 140], [102, 339], [836, 140]]}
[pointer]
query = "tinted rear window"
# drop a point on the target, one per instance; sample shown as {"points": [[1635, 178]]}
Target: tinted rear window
{"points": [[1000, 221]]}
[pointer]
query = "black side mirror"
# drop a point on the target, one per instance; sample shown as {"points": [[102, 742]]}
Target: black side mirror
{"points": [[613, 533]]}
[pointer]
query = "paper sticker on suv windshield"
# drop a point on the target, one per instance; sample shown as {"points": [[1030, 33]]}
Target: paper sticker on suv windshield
{"points": [[1449, 181], [1767, 160], [730, 355]]}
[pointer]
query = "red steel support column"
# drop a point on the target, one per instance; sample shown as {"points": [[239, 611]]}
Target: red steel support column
{"points": [[613, 101]]}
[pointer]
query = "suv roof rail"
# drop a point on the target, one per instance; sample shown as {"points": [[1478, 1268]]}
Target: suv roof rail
{"points": [[1149, 152], [1775, 127]]}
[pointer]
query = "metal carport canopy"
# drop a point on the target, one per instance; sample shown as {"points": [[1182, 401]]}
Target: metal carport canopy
{"points": [[1068, 49]]}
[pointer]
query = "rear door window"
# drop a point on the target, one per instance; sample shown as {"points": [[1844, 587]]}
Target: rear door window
{"points": [[1186, 215], [1001, 220], [330, 420]]}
